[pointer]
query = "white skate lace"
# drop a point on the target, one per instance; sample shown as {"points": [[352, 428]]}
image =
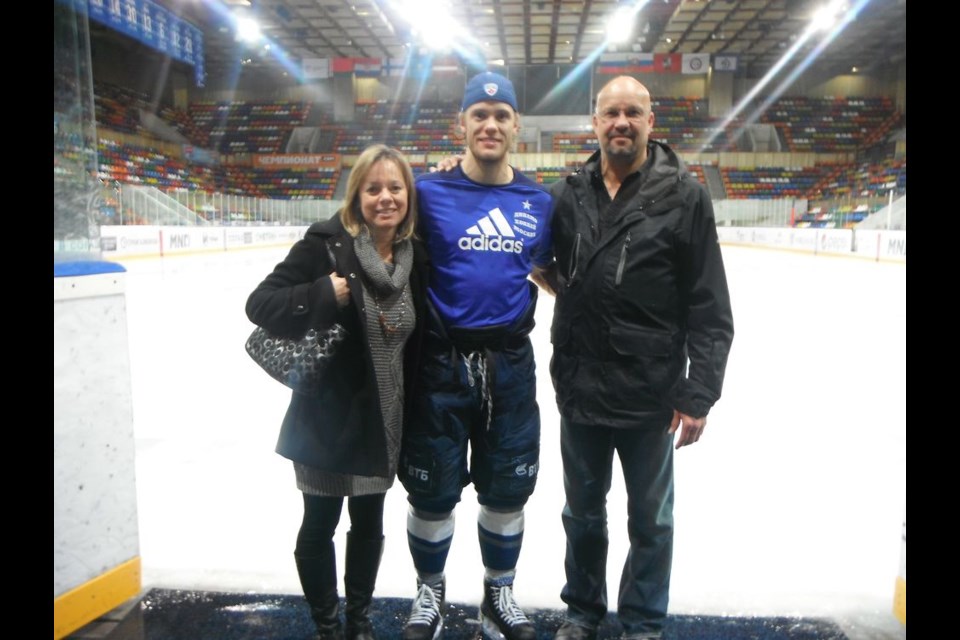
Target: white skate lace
{"points": [[425, 607], [507, 607]]}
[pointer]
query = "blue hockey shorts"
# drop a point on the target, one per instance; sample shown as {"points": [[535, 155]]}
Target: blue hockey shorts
{"points": [[474, 419]]}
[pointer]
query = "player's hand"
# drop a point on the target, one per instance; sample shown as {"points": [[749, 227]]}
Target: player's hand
{"points": [[448, 163]]}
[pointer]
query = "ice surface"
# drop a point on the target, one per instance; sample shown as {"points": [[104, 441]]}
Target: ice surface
{"points": [[792, 503]]}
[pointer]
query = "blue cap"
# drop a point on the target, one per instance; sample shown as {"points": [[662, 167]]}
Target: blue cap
{"points": [[489, 86]]}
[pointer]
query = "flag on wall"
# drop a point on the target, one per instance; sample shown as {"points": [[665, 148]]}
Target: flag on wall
{"points": [[617, 63], [393, 67], [342, 65], [725, 63], [696, 62], [314, 68], [366, 67], [666, 63]]}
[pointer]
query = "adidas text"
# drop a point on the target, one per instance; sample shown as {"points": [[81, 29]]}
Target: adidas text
{"points": [[487, 243]]}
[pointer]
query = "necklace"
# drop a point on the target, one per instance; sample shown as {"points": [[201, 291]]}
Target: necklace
{"points": [[388, 329]]}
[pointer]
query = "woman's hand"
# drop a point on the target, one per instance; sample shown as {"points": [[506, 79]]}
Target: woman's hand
{"points": [[342, 290]]}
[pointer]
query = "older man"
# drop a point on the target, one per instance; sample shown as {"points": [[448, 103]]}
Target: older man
{"points": [[641, 331]]}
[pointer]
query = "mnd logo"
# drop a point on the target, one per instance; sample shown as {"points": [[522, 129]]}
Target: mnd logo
{"points": [[491, 233]]}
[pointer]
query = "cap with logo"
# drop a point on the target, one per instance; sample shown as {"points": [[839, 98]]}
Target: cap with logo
{"points": [[489, 86]]}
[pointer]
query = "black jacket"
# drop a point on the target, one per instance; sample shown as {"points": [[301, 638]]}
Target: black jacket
{"points": [[633, 306], [342, 429]]}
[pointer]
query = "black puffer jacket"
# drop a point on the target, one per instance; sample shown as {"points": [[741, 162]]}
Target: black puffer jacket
{"points": [[342, 429], [632, 307]]}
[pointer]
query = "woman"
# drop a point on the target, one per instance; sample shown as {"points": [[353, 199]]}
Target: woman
{"points": [[365, 270]]}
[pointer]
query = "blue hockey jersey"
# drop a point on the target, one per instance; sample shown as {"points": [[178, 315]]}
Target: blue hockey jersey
{"points": [[484, 241]]}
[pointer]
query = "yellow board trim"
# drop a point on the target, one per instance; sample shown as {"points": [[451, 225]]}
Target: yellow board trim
{"points": [[900, 601], [89, 601]]}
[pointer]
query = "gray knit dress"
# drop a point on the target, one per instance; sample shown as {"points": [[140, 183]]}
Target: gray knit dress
{"points": [[390, 316]]}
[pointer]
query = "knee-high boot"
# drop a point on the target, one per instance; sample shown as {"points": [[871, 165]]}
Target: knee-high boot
{"points": [[363, 563], [318, 577]]}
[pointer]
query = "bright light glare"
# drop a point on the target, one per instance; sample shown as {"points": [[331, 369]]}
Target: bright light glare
{"points": [[620, 25], [823, 19], [826, 16], [434, 26], [248, 30]]}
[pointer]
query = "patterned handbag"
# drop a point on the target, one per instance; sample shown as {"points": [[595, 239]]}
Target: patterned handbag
{"points": [[299, 364]]}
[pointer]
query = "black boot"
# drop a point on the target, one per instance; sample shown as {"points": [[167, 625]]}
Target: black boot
{"points": [[318, 577], [363, 562]]}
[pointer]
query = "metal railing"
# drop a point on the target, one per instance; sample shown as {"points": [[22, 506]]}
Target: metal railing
{"points": [[758, 213], [127, 204], [152, 206]]}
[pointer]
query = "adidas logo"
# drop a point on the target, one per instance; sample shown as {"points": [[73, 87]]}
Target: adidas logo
{"points": [[491, 233]]}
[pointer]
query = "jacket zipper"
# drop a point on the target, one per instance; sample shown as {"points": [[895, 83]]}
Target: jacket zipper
{"points": [[623, 259], [574, 260]]}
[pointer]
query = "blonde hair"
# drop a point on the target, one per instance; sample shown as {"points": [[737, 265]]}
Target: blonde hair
{"points": [[350, 214]]}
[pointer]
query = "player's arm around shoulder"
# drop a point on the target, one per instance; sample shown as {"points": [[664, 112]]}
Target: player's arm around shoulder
{"points": [[447, 164]]}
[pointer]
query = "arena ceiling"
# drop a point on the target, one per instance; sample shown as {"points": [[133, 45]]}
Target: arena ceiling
{"points": [[549, 32]]}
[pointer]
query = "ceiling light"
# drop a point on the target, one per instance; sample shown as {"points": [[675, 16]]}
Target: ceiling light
{"points": [[620, 24], [247, 29], [826, 16]]}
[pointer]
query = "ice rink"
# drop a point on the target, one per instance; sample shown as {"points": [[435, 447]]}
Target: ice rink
{"points": [[792, 503]]}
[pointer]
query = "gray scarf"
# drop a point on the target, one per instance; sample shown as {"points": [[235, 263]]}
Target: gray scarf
{"points": [[390, 320], [385, 283]]}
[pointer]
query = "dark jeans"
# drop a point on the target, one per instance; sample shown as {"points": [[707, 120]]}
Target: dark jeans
{"points": [[646, 456]]}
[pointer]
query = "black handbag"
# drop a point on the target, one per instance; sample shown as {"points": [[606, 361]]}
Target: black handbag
{"points": [[300, 364]]}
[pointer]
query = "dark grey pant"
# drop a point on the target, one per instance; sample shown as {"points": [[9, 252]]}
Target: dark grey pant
{"points": [[646, 456]]}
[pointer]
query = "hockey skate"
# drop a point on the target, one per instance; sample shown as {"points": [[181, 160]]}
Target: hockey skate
{"points": [[500, 616], [425, 621]]}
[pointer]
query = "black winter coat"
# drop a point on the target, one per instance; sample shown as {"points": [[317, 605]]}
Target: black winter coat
{"points": [[342, 429], [633, 306]]}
